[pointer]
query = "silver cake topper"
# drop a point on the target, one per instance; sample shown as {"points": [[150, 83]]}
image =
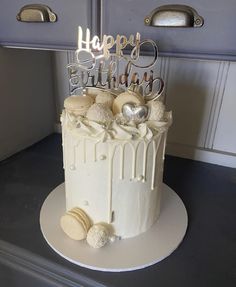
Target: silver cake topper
{"points": [[97, 64]]}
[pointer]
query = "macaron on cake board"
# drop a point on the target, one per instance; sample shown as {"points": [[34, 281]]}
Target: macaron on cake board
{"points": [[74, 225]]}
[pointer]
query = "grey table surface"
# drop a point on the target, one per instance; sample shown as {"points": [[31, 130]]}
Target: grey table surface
{"points": [[206, 257]]}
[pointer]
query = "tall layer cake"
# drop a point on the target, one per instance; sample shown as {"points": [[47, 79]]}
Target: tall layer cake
{"points": [[113, 169], [113, 148]]}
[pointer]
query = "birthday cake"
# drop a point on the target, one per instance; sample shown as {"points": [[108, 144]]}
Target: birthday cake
{"points": [[114, 130]]}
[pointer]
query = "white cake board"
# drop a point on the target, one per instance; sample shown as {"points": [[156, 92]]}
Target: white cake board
{"points": [[123, 255]]}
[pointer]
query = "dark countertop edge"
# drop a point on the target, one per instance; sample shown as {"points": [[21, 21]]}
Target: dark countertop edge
{"points": [[36, 266]]}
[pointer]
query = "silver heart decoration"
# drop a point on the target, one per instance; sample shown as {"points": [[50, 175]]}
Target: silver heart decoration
{"points": [[135, 113]]}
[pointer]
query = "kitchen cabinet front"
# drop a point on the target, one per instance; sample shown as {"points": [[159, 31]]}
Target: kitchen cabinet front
{"points": [[56, 32], [214, 39]]}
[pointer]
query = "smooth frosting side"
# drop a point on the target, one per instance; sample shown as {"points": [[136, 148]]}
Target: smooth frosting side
{"points": [[115, 172]]}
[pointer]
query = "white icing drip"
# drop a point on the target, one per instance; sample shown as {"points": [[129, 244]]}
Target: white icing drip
{"points": [[122, 161], [134, 167], [155, 149], [110, 171], [133, 170], [95, 150], [145, 149], [112, 148], [164, 145], [73, 164]]}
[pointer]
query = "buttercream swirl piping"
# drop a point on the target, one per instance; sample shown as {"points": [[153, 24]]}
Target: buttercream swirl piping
{"points": [[81, 127]]}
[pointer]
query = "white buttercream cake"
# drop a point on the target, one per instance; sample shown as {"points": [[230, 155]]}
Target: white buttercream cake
{"points": [[113, 161]]}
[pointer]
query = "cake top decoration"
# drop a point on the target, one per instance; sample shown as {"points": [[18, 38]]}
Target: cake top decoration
{"points": [[108, 42], [98, 64]]}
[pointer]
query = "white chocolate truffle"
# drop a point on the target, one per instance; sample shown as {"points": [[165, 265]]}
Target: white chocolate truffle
{"points": [[156, 110], [99, 113], [124, 98], [105, 98], [98, 235], [78, 105]]}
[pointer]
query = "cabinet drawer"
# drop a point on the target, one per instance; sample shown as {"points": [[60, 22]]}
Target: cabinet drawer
{"points": [[215, 38], [61, 34]]}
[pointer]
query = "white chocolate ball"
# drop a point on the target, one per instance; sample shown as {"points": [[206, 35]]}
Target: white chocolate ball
{"points": [[124, 98], [105, 98], [98, 236], [99, 113], [102, 157], [156, 110], [112, 238], [78, 105]]}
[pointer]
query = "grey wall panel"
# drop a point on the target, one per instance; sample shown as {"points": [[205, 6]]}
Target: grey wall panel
{"points": [[27, 111], [216, 37]]}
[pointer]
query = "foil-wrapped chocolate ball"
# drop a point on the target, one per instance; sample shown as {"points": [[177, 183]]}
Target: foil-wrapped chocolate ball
{"points": [[135, 114], [125, 98]]}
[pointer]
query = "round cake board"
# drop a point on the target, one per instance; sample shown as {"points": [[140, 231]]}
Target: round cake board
{"points": [[123, 255]]}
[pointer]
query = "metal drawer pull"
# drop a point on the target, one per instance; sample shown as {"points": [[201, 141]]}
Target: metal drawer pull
{"points": [[36, 13], [174, 16]]}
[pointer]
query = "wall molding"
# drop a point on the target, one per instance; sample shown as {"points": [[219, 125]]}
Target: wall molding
{"points": [[204, 155], [164, 73], [51, 274], [219, 89]]}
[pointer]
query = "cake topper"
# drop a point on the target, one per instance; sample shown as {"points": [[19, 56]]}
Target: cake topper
{"points": [[97, 64]]}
